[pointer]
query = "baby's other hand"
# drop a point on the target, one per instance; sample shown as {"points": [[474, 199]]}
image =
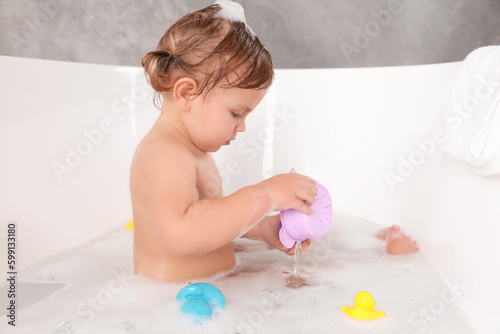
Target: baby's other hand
{"points": [[291, 190], [269, 233]]}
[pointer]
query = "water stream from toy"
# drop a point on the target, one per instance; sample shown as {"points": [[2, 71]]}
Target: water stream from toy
{"points": [[298, 251], [295, 281]]}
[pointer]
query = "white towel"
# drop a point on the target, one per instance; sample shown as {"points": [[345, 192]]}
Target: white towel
{"points": [[472, 121]]}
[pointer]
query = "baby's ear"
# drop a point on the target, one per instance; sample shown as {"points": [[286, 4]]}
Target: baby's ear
{"points": [[184, 92]]}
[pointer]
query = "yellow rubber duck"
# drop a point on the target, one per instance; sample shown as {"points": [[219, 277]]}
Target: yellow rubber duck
{"points": [[363, 307], [130, 225]]}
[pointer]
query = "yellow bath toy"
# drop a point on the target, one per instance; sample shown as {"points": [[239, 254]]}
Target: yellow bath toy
{"points": [[130, 225], [363, 307]]}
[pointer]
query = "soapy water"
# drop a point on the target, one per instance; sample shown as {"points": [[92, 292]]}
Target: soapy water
{"points": [[104, 296], [233, 12]]}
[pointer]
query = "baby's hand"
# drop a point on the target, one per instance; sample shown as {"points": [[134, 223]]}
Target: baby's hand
{"points": [[269, 233], [291, 190]]}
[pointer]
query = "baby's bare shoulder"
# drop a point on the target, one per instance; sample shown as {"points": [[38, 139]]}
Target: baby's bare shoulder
{"points": [[162, 154], [163, 179]]}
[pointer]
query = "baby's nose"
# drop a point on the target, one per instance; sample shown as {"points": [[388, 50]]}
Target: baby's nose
{"points": [[241, 126]]}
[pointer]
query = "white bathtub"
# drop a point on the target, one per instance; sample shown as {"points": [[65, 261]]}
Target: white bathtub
{"points": [[68, 132]]}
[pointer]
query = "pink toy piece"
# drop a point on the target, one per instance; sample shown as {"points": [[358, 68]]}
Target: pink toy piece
{"points": [[297, 226]]}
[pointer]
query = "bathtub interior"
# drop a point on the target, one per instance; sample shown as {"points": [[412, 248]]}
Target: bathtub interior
{"points": [[103, 296], [68, 132]]}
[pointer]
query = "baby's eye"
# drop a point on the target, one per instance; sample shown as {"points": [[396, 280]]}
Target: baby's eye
{"points": [[235, 115]]}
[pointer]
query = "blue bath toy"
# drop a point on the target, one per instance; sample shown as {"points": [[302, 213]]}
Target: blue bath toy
{"points": [[199, 299]]}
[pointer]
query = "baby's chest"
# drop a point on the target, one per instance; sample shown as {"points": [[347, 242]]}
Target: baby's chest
{"points": [[209, 183]]}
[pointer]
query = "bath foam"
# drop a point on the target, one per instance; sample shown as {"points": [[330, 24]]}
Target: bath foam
{"points": [[105, 297], [233, 12]]}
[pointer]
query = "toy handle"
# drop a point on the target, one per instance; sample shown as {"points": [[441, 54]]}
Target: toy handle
{"points": [[285, 239]]}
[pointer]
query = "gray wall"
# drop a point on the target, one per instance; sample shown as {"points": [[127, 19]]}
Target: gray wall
{"points": [[299, 33]]}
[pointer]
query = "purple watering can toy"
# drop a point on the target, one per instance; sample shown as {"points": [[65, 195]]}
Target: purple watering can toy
{"points": [[297, 226]]}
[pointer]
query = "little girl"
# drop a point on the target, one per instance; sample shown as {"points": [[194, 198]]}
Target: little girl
{"points": [[211, 71]]}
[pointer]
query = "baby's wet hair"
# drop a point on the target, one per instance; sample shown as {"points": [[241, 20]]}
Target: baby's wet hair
{"points": [[211, 50]]}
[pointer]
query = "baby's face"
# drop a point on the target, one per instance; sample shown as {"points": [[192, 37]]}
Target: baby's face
{"points": [[217, 121]]}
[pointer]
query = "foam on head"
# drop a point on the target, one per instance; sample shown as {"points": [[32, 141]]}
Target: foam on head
{"points": [[233, 12]]}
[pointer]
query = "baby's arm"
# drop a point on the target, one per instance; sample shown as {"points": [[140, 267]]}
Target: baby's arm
{"points": [[267, 231], [189, 226]]}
